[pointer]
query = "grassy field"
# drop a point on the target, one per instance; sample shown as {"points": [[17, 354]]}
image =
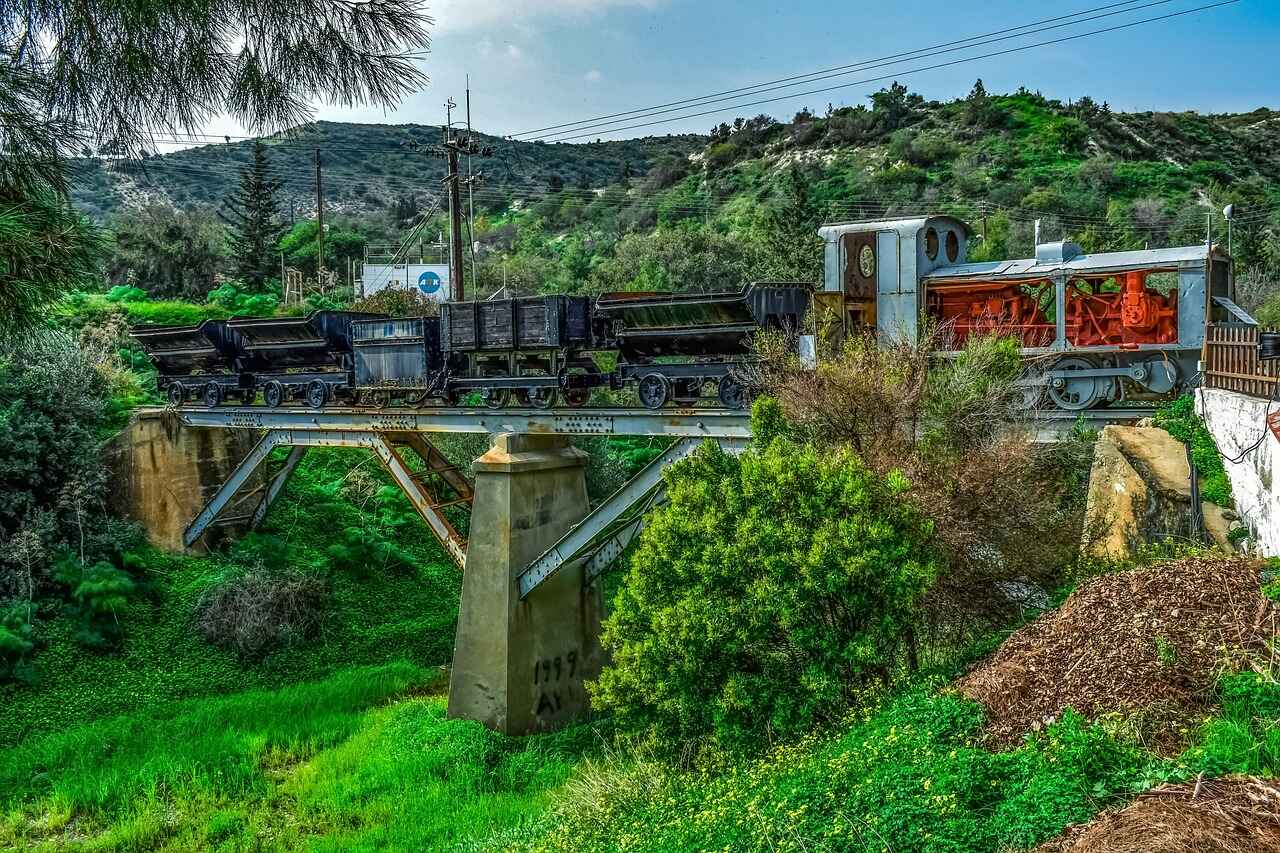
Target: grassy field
{"points": [[362, 760]]}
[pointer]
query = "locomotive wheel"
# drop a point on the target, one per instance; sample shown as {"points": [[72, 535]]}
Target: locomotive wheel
{"points": [[317, 394], [577, 397], [541, 398], [654, 390], [377, 399], [496, 398], [177, 394], [416, 399], [273, 394], [1077, 394], [212, 394], [732, 394]]}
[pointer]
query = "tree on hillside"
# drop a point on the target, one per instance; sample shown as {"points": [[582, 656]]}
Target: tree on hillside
{"points": [[80, 77], [167, 251], [252, 218]]}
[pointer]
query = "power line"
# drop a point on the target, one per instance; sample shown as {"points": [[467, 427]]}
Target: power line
{"points": [[799, 79], [882, 78]]}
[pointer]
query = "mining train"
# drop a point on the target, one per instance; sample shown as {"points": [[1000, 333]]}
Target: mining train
{"points": [[1093, 329], [533, 351]]}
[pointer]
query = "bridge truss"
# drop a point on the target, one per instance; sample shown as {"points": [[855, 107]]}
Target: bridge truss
{"points": [[401, 441]]}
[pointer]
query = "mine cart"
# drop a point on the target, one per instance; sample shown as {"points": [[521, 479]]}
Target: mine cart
{"points": [[398, 359]]}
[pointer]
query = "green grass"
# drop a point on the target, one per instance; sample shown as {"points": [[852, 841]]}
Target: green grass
{"points": [[1180, 420], [376, 614], [362, 760]]}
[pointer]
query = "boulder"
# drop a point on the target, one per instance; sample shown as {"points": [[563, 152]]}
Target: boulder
{"points": [[1140, 491]]}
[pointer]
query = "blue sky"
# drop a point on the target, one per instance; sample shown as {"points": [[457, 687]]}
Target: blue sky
{"points": [[540, 63]]}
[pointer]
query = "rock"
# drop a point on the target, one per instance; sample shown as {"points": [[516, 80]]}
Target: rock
{"points": [[1140, 491]]}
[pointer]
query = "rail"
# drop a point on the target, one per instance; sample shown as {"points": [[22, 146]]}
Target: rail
{"points": [[1231, 362]]}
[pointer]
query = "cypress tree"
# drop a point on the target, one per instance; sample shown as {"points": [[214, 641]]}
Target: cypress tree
{"points": [[251, 216]]}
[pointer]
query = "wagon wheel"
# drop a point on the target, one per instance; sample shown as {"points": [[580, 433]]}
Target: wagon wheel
{"points": [[177, 394], [1076, 394], [212, 394], [496, 398], [541, 398], [273, 394], [654, 390], [377, 399], [732, 394], [576, 398], [317, 394], [416, 399]]}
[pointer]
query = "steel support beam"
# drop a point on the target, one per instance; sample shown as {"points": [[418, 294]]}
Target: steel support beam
{"points": [[222, 498], [380, 444], [611, 521], [277, 485], [673, 423]]}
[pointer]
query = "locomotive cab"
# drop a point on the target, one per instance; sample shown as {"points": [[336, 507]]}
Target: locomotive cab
{"points": [[874, 272]]}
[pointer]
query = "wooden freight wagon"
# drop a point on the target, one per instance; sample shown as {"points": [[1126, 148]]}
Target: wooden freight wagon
{"points": [[531, 346]]}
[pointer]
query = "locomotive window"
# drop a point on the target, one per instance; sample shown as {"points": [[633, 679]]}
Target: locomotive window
{"points": [[953, 246], [931, 244]]}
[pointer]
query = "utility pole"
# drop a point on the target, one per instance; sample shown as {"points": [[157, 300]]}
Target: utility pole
{"points": [[319, 222], [453, 147]]}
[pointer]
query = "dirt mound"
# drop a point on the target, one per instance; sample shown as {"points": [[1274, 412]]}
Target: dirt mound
{"points": [[1150, 639], [1239, 815]]}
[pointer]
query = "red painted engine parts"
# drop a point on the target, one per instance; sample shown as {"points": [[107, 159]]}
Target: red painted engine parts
{"points": [[1120, 311]]}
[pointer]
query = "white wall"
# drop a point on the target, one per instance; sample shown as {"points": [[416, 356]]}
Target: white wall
{"points": [[1237, 421], [431, 280]]}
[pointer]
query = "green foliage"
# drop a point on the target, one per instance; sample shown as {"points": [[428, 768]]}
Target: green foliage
{"points": [[903, 776], [1245, 738], [407, 612], [764, 596], [99, 593], [1180, 420], [126, 293], [17, 641], [243, 304], [251, 215], [167, 251], [46, 247]]}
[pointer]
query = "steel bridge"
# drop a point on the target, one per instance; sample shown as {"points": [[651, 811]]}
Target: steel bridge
{"points": [[433, 483]]}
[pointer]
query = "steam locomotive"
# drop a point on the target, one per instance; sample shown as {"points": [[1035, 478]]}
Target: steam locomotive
{"points": [[679, 348], [1094, 328]]}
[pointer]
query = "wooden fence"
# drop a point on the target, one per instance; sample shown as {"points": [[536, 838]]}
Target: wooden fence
{"points": [[1231, 362]]}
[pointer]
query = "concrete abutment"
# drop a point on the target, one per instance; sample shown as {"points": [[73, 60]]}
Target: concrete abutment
{"points": [[520, 666]]}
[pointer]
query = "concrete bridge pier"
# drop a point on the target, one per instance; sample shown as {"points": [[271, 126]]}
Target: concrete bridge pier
{"points": [[527, 676]]}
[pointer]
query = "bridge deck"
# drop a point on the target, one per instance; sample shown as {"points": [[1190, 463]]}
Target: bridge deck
{"points": [[674, 423]]}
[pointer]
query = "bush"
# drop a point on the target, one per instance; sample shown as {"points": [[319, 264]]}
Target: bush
{"points": [[231, 298], [764, 596], [125, 293], [262, 611], [99, 594], [16, 642]]}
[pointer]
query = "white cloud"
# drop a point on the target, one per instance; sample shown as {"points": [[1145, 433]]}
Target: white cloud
{"points": [[593, 76], [456, 15]]}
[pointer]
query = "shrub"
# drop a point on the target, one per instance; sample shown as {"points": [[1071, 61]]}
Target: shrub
{"points": [[16, 642], [764, 596], [125, 293], [99, 593], [262, 611]]}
